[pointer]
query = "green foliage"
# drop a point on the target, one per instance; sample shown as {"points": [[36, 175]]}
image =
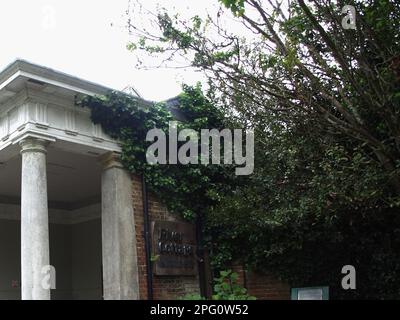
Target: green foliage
{"points": [[192, 296], [188, 190], [236, 6], [319, 204], [226, 287], [324, 104]]}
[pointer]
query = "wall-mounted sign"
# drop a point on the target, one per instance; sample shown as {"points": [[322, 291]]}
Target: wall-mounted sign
{"points": [[311, 293], [173, 248]]}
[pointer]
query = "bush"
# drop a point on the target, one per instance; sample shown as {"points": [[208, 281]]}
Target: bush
{"points": [[225, 288]]}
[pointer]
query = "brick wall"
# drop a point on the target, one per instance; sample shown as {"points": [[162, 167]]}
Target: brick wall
{"points": [[262, 286], [164, 287], [267, 287]]}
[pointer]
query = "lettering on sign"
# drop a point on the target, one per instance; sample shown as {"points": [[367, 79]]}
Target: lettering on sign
{"points": [[174, 248]]}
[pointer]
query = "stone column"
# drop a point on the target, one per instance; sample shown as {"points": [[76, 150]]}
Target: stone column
{"points": [[120, 269], [34, 220]]}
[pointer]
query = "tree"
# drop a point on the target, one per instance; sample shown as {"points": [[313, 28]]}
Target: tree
{"points": [[324, 103], [300, 63]]}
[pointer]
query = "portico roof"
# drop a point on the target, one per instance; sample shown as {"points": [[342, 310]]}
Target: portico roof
{"points": [[15, 75], [38, 102]]}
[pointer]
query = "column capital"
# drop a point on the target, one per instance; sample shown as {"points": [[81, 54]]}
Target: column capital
{"points": [[111, 160], [33, 145]]}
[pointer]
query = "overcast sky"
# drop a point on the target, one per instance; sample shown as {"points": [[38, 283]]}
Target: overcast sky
{"points": [[86, 38]]}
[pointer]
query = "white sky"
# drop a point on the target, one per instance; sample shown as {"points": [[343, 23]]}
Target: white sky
{"points": [[76, 37]]}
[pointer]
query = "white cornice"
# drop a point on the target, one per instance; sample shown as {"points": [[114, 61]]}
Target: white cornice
{"points": [[22, 68]]}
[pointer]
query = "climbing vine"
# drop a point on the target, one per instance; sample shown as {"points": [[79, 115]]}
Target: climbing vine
{"points": [[187, 190]]}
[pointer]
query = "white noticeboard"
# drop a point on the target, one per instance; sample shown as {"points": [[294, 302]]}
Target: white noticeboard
{"points": [[310, 294]]}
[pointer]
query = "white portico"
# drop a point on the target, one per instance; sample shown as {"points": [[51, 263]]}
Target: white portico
{"points": [[65, 200]]}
